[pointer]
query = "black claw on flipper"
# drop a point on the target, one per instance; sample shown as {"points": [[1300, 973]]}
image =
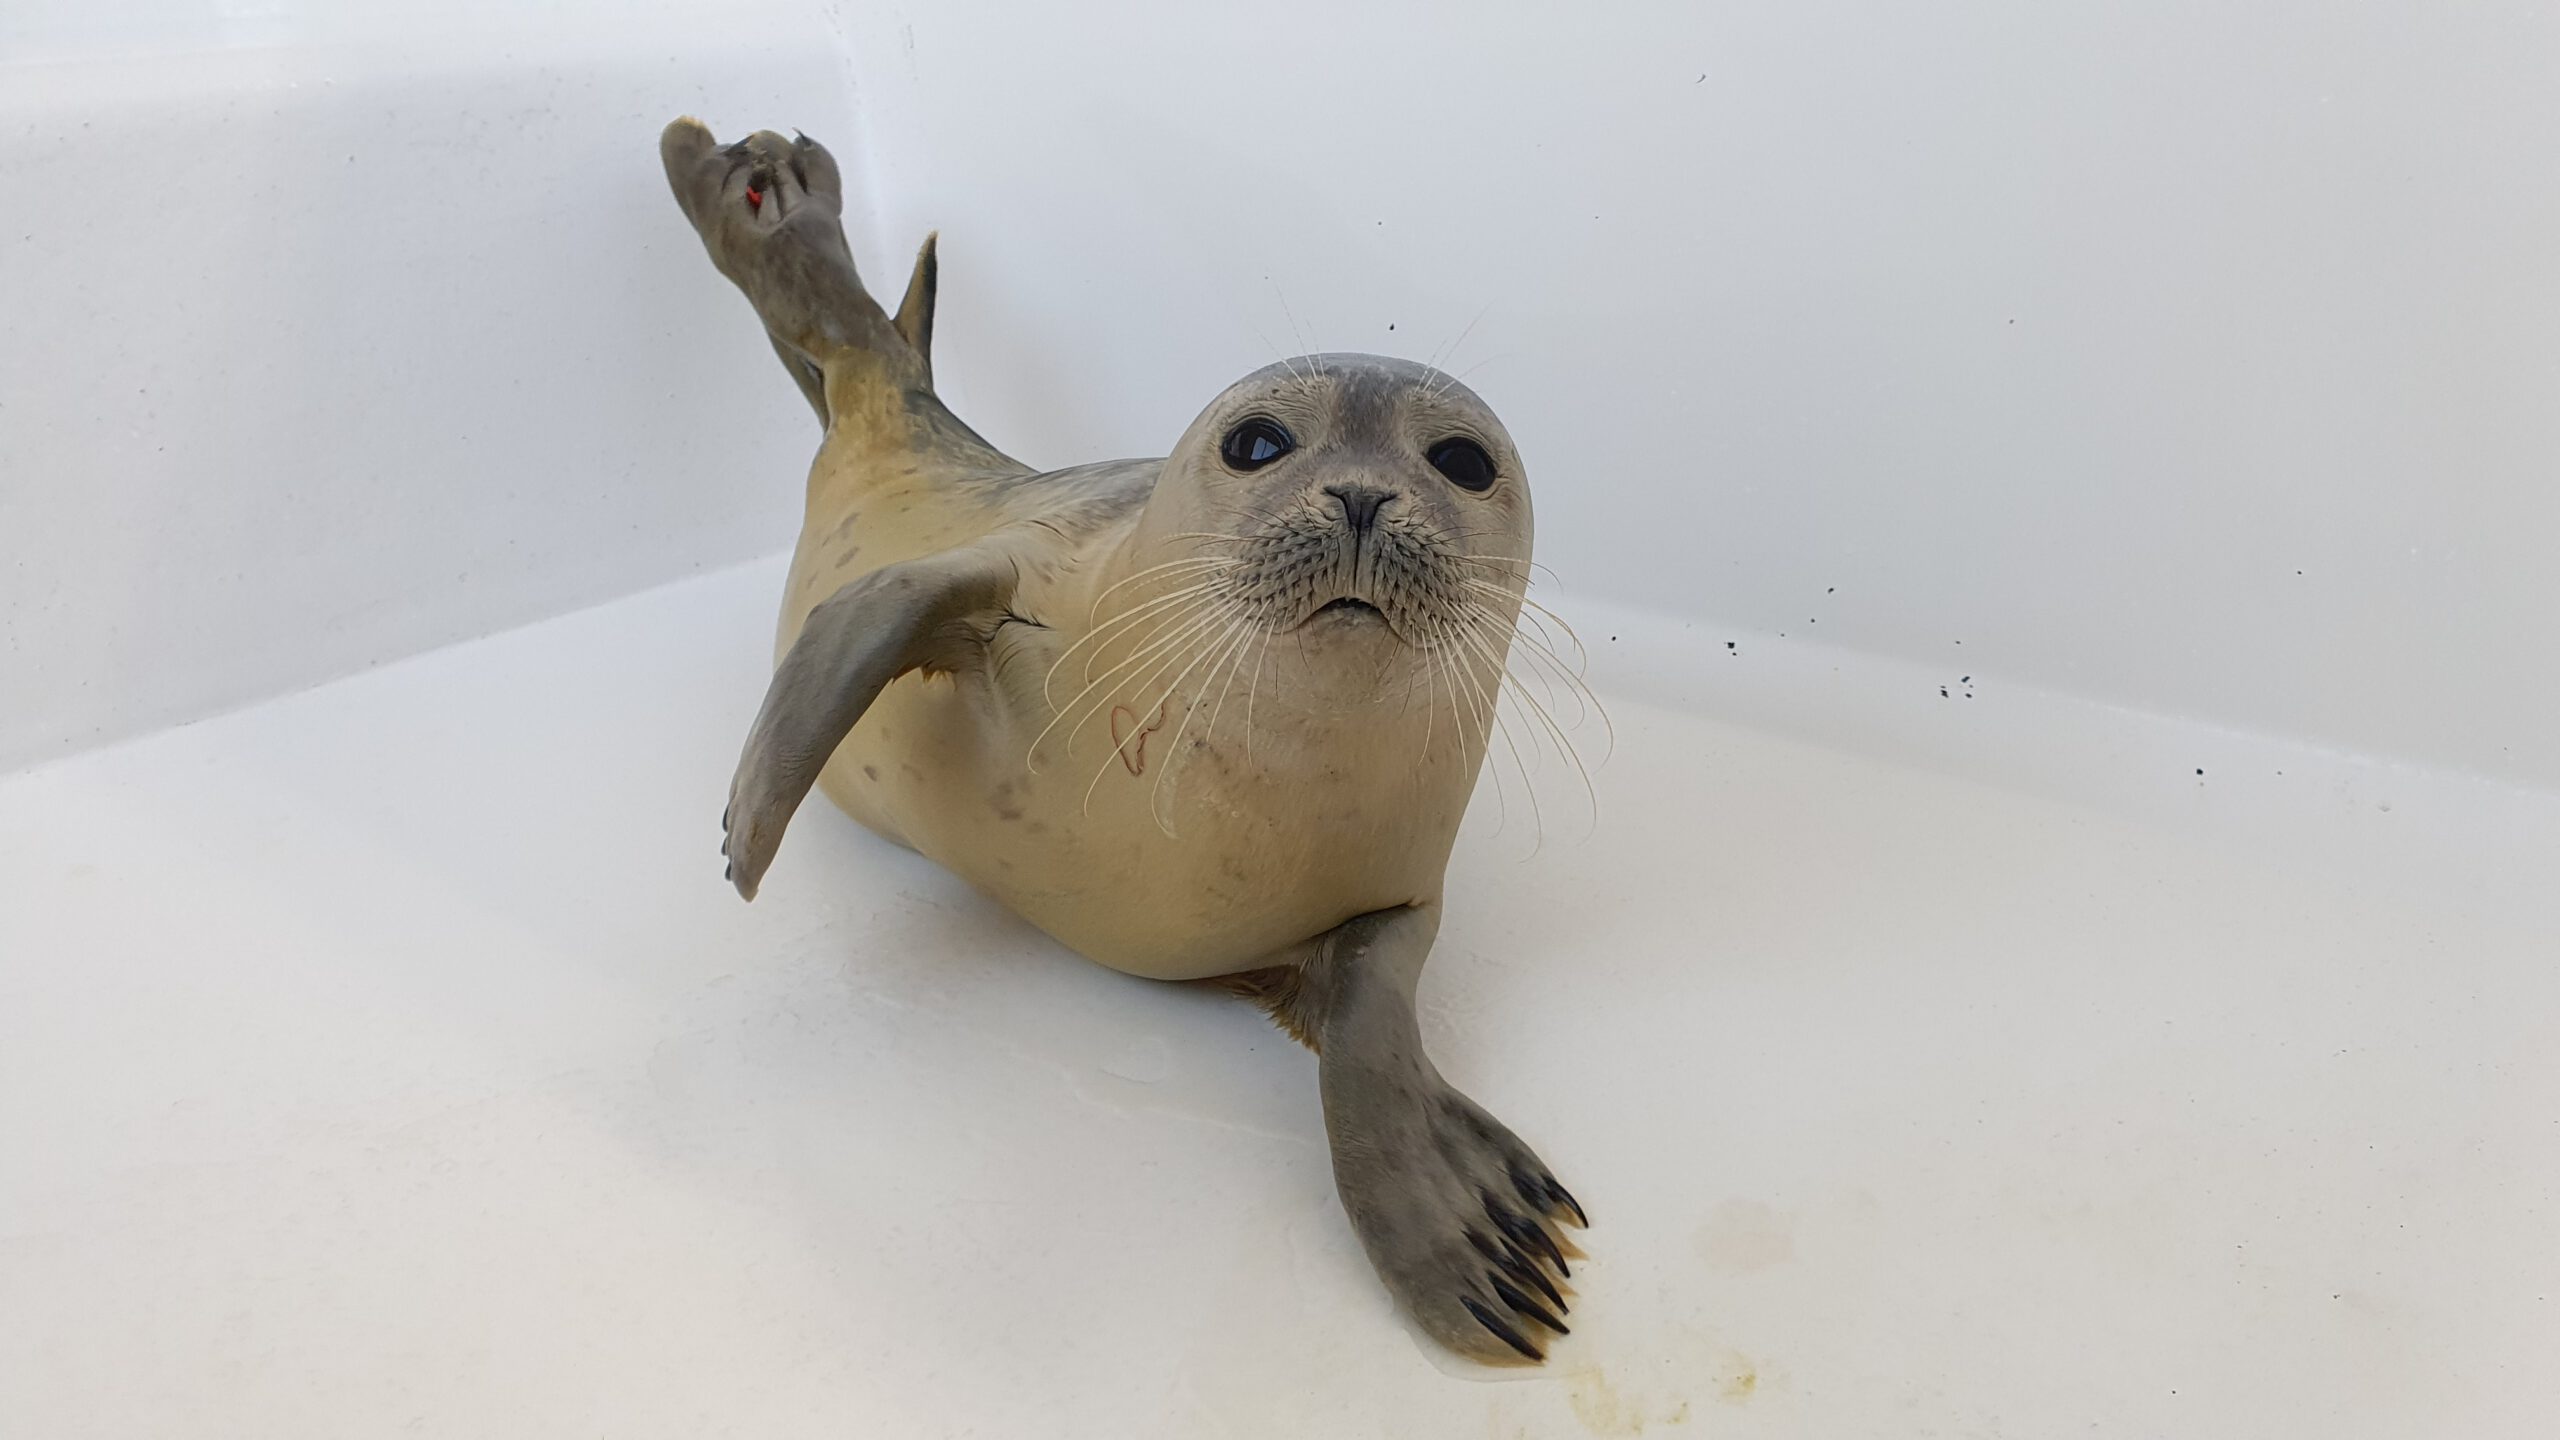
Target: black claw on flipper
{"points": [[1526, 1306], [1528, 1234], [1543, 1195], [1518, 1266], [1501, 1332]]}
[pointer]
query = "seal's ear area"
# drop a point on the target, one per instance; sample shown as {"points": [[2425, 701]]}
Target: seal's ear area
{"points": [[915, 313], [859, 639]]}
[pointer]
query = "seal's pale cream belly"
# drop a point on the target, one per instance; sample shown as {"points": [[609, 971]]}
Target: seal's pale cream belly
{"points": [[1264, 853]]}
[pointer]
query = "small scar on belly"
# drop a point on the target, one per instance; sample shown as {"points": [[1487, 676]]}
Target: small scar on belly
{"points": [[1131, 737]]}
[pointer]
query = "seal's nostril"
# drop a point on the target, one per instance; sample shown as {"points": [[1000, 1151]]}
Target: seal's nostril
{"points": [[1360, 504]]}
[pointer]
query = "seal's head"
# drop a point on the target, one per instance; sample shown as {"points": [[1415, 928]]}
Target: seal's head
{"points": [[1371, 510]]}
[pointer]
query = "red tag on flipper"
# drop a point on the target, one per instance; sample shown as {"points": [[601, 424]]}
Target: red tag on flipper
{"points": [[755, 198]]}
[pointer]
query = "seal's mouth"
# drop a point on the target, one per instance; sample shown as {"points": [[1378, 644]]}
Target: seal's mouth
{"points": [[1349, 607]]}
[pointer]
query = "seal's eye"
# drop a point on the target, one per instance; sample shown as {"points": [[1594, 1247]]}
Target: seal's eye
{"points": [[1254, 443], [1464, 462]]}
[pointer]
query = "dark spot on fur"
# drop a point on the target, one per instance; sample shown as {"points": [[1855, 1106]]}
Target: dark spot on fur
{"points": [[871, 772]]}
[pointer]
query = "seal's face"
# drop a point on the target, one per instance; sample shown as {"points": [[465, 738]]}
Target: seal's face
{"points": [[1363, 504]]}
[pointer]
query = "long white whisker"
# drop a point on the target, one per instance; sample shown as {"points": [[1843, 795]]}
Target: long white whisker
{"points": [[1189, 564], [1224, 645], [1197, 594], [1188, 624], [1192, 641], [1261, 652], [1528, 785], [1207, 646]]}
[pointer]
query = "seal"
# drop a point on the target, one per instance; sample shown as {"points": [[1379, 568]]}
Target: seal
{"points": [[1214, 716]]}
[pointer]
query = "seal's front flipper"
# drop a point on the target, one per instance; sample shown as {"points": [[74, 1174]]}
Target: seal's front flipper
{"points": [[1454, 1211], [893, 620]]}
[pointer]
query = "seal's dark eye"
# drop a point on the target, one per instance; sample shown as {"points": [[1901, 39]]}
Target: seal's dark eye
{"points": [[1254, 443], [1464, 462]]}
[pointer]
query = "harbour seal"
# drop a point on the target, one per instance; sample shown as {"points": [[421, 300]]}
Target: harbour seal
{"points": [[1215, 715]]}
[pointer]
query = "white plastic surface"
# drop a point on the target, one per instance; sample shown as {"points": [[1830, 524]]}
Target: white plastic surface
{"points": [[340, 332], [2197, 358], [391, 1059], [2106, 986]]}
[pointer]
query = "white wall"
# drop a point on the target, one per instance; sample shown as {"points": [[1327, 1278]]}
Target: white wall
{"points": [[336, 333], [2200, 357]]}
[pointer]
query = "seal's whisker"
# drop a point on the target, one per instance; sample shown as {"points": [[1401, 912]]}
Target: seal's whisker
{"points": [[1430, 709], [1277, 353], [1203, 586], [1169, 636], [1542, 661], [1587, 701], [1509, 565], [1303, 347], [1459, 715], [1147, 646], [1543, 658], [1184, 627], [1245, 639], [1209, 644], [1226, 645], [1528, 783], [1188, 565], [1139, 610], [1198, 594], [1261, 653], [1554, 734], [1198, 632], [1431, 387], [1192, 639], [1510, 637], [1539, 659], [1545, 616], [1490, 704], [1521, 699]]}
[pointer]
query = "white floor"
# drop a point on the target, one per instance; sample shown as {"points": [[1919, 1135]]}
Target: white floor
{"points": [[390, 1060]]}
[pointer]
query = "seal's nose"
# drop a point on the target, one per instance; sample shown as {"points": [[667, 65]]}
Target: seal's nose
{"points": [[1360, 504]]}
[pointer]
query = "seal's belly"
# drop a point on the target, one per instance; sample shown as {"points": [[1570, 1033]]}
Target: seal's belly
{"points": [[1152, 851]]}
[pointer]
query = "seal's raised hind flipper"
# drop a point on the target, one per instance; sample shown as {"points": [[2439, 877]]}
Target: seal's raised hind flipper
{"points": [[896, 619], [769, 209], [915, 313]]}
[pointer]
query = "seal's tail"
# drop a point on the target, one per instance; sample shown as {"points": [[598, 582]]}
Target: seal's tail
{"points": [[768, 209]]}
